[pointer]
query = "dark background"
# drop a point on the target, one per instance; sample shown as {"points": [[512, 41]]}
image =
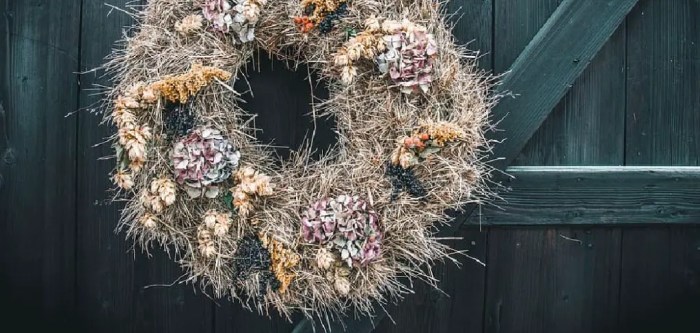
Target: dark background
{"points": [[62, 265]]}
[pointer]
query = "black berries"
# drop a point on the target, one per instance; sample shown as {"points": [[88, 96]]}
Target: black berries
{"points": [[178, 120], [404, 179], [252, 257], [329, 21]]}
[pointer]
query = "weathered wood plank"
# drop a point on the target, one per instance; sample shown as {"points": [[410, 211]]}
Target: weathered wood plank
{"points": [[659, 281], [537, 280], [38, 57], [595, 104], [549, 65], [597, 195], [113, 296], [663, 105], [552, 280], [661, 264]]}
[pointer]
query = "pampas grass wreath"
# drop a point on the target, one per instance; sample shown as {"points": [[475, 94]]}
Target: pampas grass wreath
{"points": [[330, 236]]}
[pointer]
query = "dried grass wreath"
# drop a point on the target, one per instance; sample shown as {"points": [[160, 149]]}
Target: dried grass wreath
{"points": [[327, 236]]}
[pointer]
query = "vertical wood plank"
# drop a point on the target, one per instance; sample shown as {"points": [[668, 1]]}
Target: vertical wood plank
{"points": [[661, 265], [38, 88], [560, 279], [113, 296], [663, 104], [660, 288]]}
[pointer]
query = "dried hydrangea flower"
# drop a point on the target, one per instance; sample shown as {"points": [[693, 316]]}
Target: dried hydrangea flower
{"points": [[283, 261], [179, 88], [246, 17], [123, 180], [218, 13], [409, 57], [346, 222], [148, 221], [202, 159], [249, 185], [189, 24], [241, 18]]}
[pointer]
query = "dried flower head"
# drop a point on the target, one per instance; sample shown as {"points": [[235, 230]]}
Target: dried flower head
{"points": [[283, 261], [123, 180], [160, 194], [409, 56], [131, 147], [427, 140], [205, 242], [241, 18], [180, 88], [189, 24], [346, 222], [148, 221], [253, 258], [218, 222], [202, 159], [250, 184], [324, 258], [321, 14]]}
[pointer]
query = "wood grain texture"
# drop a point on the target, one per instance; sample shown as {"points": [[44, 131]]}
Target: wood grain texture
{"points": [[660, 280], [549, 65], [661, 265], [113, 296], [38, 88], [663, 104], [559, 279], [552, 280], [594, 104], [596, 195]]}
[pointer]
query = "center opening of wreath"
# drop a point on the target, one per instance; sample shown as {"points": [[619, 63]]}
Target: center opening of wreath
{"points": [[282, 101]]}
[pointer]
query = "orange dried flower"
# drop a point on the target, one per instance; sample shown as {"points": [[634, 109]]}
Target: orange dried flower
{"points": [[283, 261]]}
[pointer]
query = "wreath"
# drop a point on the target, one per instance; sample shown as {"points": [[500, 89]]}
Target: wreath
{"points": [[322, 236]]}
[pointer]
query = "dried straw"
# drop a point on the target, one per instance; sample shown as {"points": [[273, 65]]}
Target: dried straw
{"points": [[370, 116]]}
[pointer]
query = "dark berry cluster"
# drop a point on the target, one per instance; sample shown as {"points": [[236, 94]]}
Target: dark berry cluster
{"points": [[329, 21], [404, 179], [251, 258], [178, 120]]}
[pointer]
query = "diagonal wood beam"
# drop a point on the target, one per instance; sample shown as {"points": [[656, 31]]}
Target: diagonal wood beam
{"points": [[549, 66], [541, 75]]}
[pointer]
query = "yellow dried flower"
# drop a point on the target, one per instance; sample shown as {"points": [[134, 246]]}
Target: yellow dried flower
{"points": [[283, 261], [180, 88]]}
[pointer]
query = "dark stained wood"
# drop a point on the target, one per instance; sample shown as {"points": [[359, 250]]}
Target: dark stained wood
{"points": [[660, 289], [571, 284], [113, 294], [661, 265], [552, 280], [550, 64], [38, 88], [597, 195], [663, 104], [594, 104]]}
